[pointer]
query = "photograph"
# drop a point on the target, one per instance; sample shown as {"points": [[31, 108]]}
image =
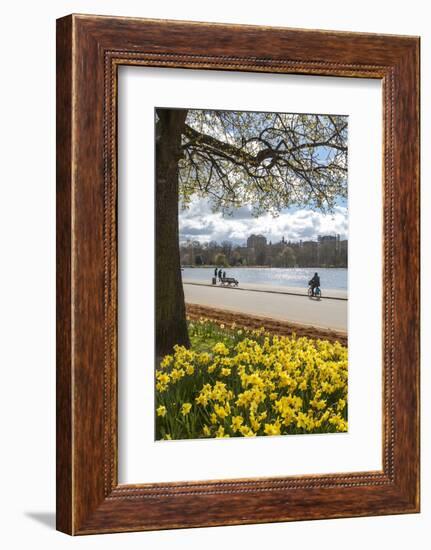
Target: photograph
{"points": [[251, 273]]}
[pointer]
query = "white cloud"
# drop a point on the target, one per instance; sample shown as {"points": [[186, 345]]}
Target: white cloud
{"points": [[201, 224]]}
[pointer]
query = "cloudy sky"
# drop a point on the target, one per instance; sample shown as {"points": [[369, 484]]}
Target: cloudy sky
{"points": [[199, 223]]}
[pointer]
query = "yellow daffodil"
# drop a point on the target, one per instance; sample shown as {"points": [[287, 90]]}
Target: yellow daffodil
{"points": [[237, 422], [272, 429], [185, 408], [206, 431], [161, 411]]}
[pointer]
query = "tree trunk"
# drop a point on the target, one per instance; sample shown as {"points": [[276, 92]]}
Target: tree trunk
{"points": [[171, 325]]}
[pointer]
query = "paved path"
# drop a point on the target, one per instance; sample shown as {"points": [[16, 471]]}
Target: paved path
{"points": [[326, 313], [335, 294]]}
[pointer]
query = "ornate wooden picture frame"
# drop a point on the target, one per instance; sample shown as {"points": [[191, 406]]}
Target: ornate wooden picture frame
{"points": [[89, 51]]}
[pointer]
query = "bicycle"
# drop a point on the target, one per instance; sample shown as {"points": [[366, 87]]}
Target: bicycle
{"points": [[317, 293]]}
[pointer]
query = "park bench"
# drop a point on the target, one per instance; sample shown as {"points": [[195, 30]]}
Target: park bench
{"points": [[229, 281]]}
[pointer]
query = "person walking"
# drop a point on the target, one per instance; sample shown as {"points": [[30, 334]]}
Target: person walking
{"points": [[219, 274], [215, 272]]}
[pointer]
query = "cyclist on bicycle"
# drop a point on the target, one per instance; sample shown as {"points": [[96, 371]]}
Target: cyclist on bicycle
{"points": [[314, 283]]}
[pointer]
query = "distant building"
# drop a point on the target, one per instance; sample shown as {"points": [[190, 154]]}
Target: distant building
{"points": [[328, 238], [256, 241]]}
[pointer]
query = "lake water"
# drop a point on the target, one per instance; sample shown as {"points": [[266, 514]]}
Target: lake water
{"points": [[335, 278]]}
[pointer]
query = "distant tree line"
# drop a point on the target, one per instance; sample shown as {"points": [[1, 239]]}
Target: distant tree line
{"points": [[326, 251]]}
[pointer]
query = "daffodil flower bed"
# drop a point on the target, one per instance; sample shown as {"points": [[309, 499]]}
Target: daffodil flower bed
{"points": [[239, 383]]}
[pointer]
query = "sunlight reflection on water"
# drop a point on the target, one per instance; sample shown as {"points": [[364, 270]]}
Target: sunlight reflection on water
{"points": [[335, 278]]}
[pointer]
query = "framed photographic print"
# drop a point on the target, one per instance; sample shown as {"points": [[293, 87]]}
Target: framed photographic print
{"points": [[237, 274]]}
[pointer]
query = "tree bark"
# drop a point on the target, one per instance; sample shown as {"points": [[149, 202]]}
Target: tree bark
{"points": [[171, 325]]}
